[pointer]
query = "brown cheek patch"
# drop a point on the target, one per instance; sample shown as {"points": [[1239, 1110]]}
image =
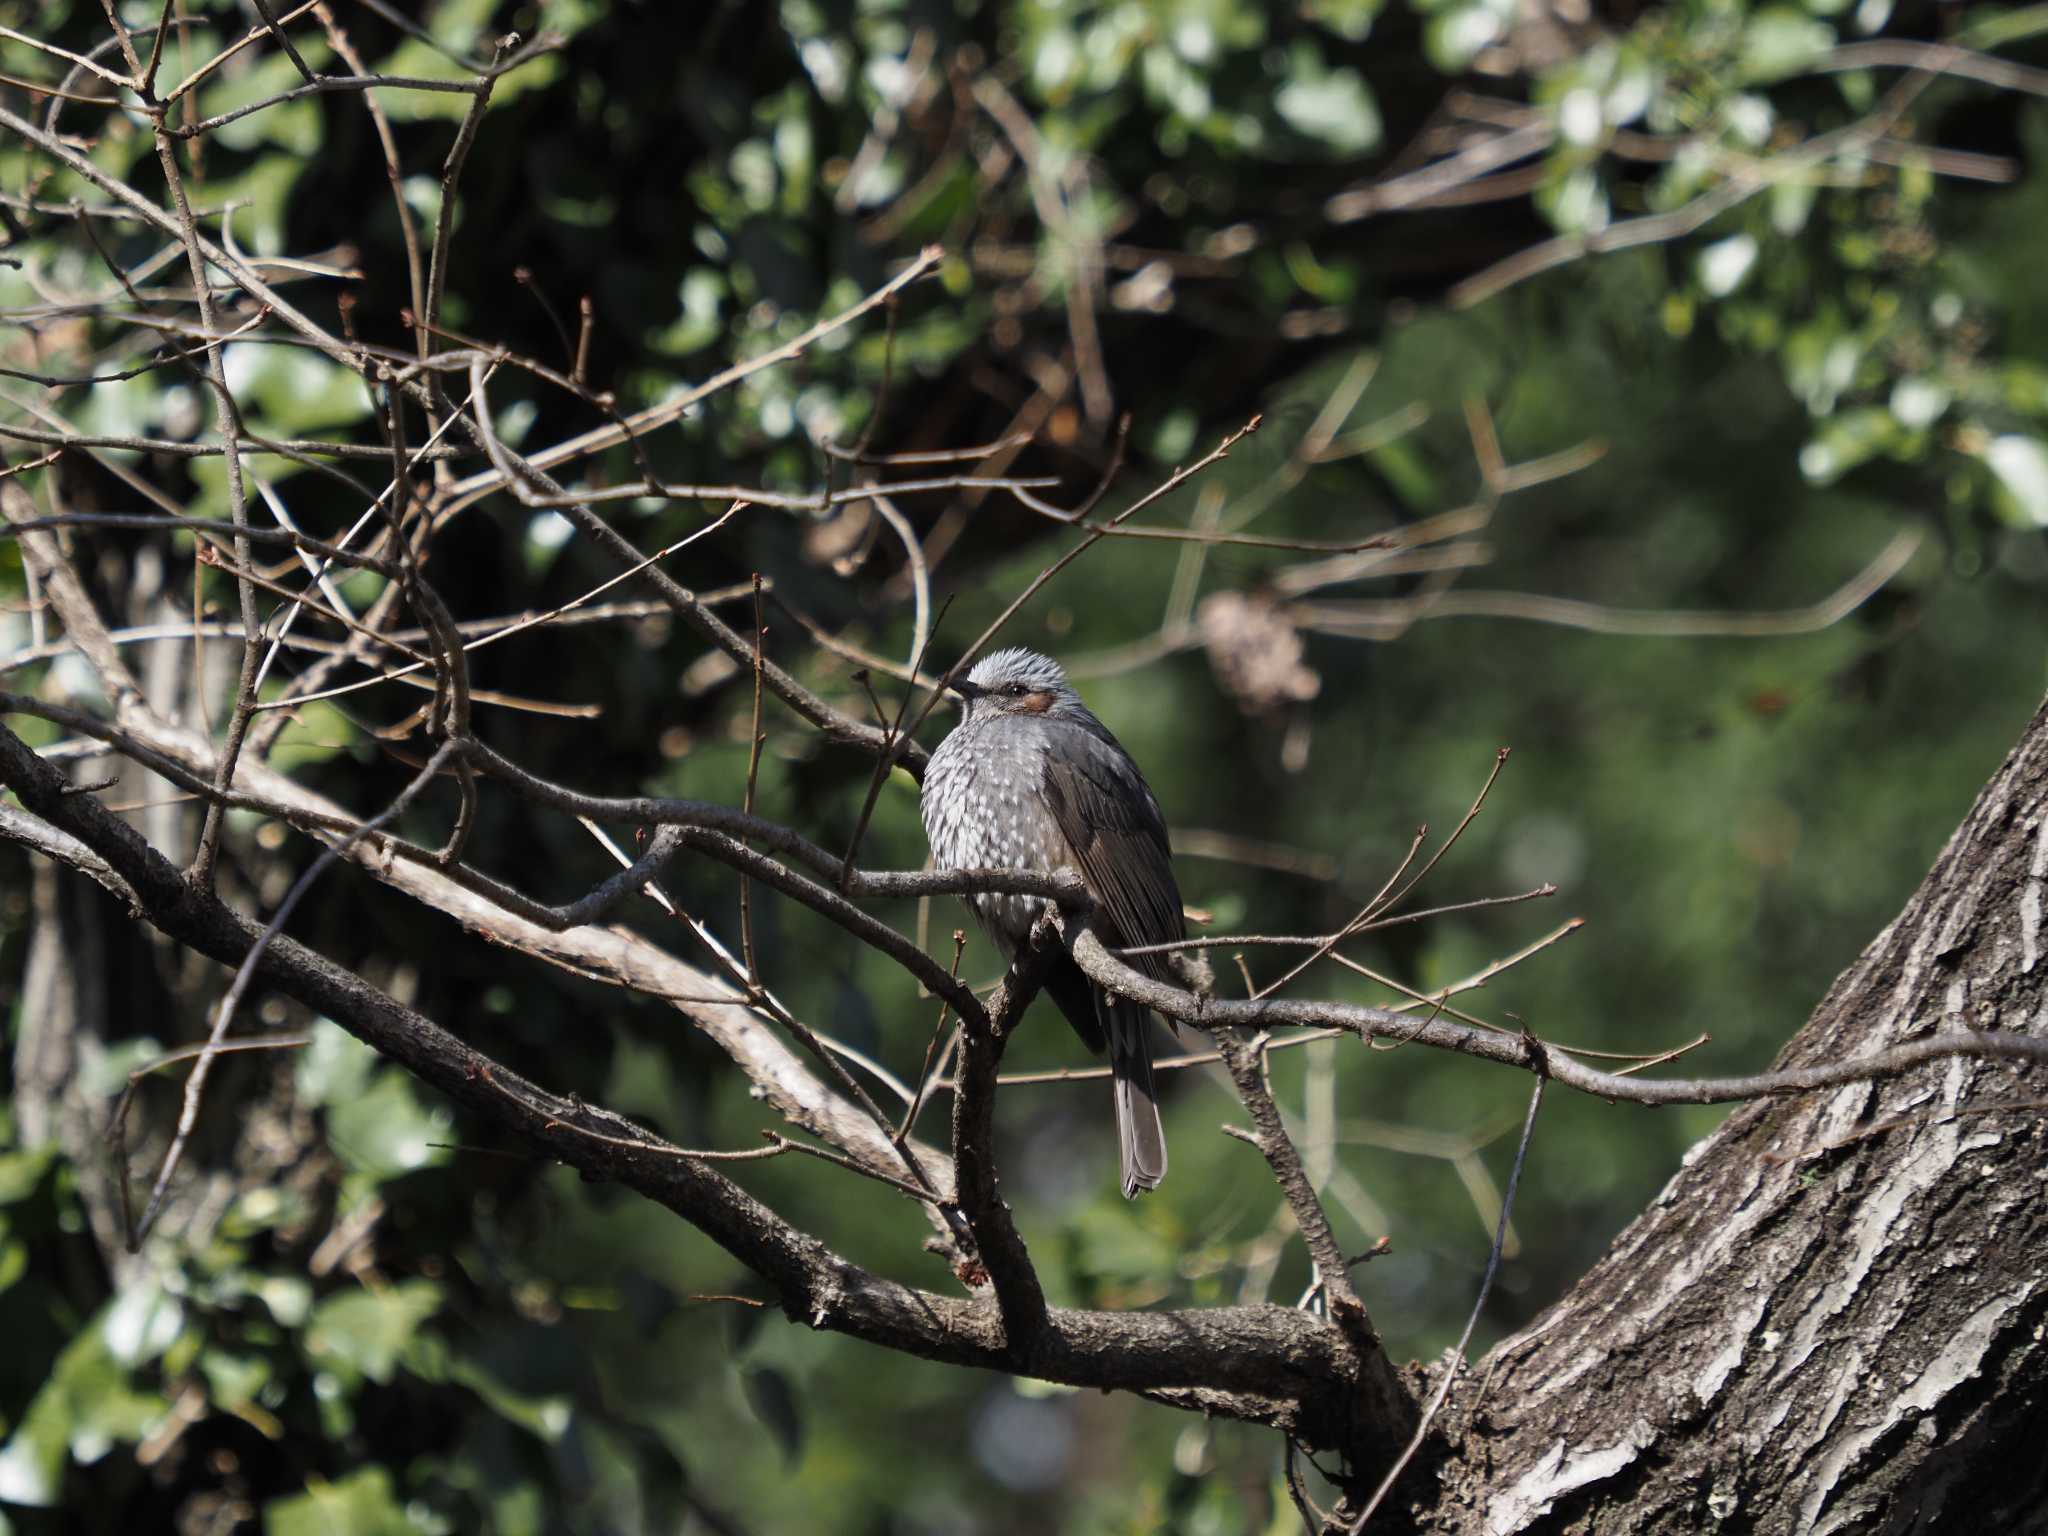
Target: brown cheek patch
{"points": [[1034, 703]]}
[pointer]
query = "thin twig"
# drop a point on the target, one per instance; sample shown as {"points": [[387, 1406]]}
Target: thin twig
{"points": [[926, 1073], [754, 740], [1457, 1359], [195, 1082]]}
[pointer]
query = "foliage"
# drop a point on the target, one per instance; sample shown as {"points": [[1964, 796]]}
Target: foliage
{"points": [[367, 1320]]}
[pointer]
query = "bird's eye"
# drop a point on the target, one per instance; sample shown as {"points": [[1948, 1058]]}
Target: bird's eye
{"points": [[1014, 690]]}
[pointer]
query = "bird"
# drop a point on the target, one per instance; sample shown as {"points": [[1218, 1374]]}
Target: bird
{"points": [[1030, 779]]}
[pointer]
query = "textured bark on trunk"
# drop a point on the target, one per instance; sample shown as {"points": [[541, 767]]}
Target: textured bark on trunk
{"points": [[1831, 1319]]}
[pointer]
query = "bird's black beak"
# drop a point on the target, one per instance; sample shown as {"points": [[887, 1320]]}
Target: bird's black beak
{"points": [[964, 688]]}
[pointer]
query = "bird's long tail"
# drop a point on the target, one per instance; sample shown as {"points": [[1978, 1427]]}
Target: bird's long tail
{"points": [[1141, 1140]]}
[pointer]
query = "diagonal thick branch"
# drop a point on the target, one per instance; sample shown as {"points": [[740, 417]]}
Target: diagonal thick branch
{"points": [[1267, 1365]]}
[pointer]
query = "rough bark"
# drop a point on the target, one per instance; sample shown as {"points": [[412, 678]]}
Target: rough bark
{"points": [[1831, 1318]]}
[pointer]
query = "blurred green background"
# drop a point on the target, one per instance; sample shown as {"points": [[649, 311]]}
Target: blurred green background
{"points": [[1856, 352]]}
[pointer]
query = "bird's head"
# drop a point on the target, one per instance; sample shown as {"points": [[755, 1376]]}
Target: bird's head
{"points": [[1016, 682]]}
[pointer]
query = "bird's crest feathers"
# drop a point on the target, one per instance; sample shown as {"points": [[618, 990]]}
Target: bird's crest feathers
{"points": [[1017, 664]]}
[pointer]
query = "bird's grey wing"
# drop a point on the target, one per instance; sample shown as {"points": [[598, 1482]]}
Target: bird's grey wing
{"points": [[1110, 820]]}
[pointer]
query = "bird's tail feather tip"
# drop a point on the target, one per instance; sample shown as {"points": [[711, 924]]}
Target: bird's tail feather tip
{"points": [[1138, 1183], [1141, 1139]]}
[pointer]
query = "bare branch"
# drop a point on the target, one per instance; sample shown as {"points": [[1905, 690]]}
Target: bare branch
{"points": [[1492, 1045], [1268, 1365]]}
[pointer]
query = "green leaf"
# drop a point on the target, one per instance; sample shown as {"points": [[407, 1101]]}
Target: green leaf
{"points": [[360, 1504], [106, 1407], [2021, 465], [375, 1118], [141, 1323], [1847, 440], [386, 1131], [1575, 202], [518, 1510], [702, 320], [1723, 265], [1780, 41], [32, 1460], [318, 731], [1349, 19], [288, 1297], [262, 1208], [1334, 108], [21, 1172], [363, 1332], [773, 1400], [292, 126], [296, 391], [13, 1259], [87, 1406], [1791, 201], [334, 1068], [1920, 402], [108, 1075], [544, 1417], [233, 1380], [1454, 35]]}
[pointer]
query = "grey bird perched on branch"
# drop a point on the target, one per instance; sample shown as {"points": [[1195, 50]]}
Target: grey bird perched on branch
{"points": [[1030, 779]]}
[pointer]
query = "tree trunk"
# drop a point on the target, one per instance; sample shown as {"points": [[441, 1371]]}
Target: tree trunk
{"points": [[1831, 1319]]}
